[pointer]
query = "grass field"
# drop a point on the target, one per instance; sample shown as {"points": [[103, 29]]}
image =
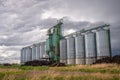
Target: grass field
{"points": [[73, 72]]}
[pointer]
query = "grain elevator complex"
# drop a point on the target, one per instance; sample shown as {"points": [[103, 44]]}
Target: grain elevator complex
{"points": [[82, 47]]}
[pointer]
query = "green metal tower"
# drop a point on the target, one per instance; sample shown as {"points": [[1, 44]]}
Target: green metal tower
{"points": [[53, 42]]}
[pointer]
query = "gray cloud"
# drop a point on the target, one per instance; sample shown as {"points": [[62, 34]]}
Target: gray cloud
{"points": [[25, 22]]}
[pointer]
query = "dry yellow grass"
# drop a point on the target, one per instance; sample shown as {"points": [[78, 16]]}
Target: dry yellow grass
{"points": [[64, 73], [10, 70], [52, 75], [105, 66], [95, 67]]}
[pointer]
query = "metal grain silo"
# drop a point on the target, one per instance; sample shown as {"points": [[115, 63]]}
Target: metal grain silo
{"points": [[24, 55], [90, 47], [80, 49], [63, 51], [42, 50], [28, 53], [21, 57], [33, 52], [70, 50], [103, 46], [38, 51]]}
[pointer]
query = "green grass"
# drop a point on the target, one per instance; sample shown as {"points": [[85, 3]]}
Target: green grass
{"points": [[41, 68], [60, 77], [13, 66], [72, 68], [1, 75], [100, 70], [19, 79], [77, 77], [90, 69], [25, 67], [94, 72]]}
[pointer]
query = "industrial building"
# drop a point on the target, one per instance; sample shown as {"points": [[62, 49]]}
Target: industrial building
{"points": [[81, 47]]}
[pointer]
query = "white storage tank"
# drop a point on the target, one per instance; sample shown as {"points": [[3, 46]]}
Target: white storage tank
{"points": [[80, 49], [33, 52], [103, 46], [90, 47], [42, 50], [63, 51], [38, 51], [70, 50], [28, 53]]}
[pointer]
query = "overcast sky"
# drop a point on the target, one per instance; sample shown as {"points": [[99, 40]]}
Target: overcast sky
{"points": [[24, 22]]}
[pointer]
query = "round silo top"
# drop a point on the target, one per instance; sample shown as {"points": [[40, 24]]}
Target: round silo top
{"points": [[106, 28], [42, 43], [89, 32], [29, 46], [33, 45], [100, 29], [69, 36], [38, 44], [79, 34]]}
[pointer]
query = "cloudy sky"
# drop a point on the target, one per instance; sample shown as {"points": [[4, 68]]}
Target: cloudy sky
{"points": [[24, 22]]}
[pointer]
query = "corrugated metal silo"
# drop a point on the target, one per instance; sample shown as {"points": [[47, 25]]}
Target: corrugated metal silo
{"points": [[70, 50], [38, 51], [90, 47], [102, 40], [80, 49], [29, 53], [22, 56], [63, 51], [33, 52], [26, 54], [42, 50]]}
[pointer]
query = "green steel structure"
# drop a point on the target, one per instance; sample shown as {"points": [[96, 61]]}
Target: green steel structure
{"points": [[53, 40]]}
